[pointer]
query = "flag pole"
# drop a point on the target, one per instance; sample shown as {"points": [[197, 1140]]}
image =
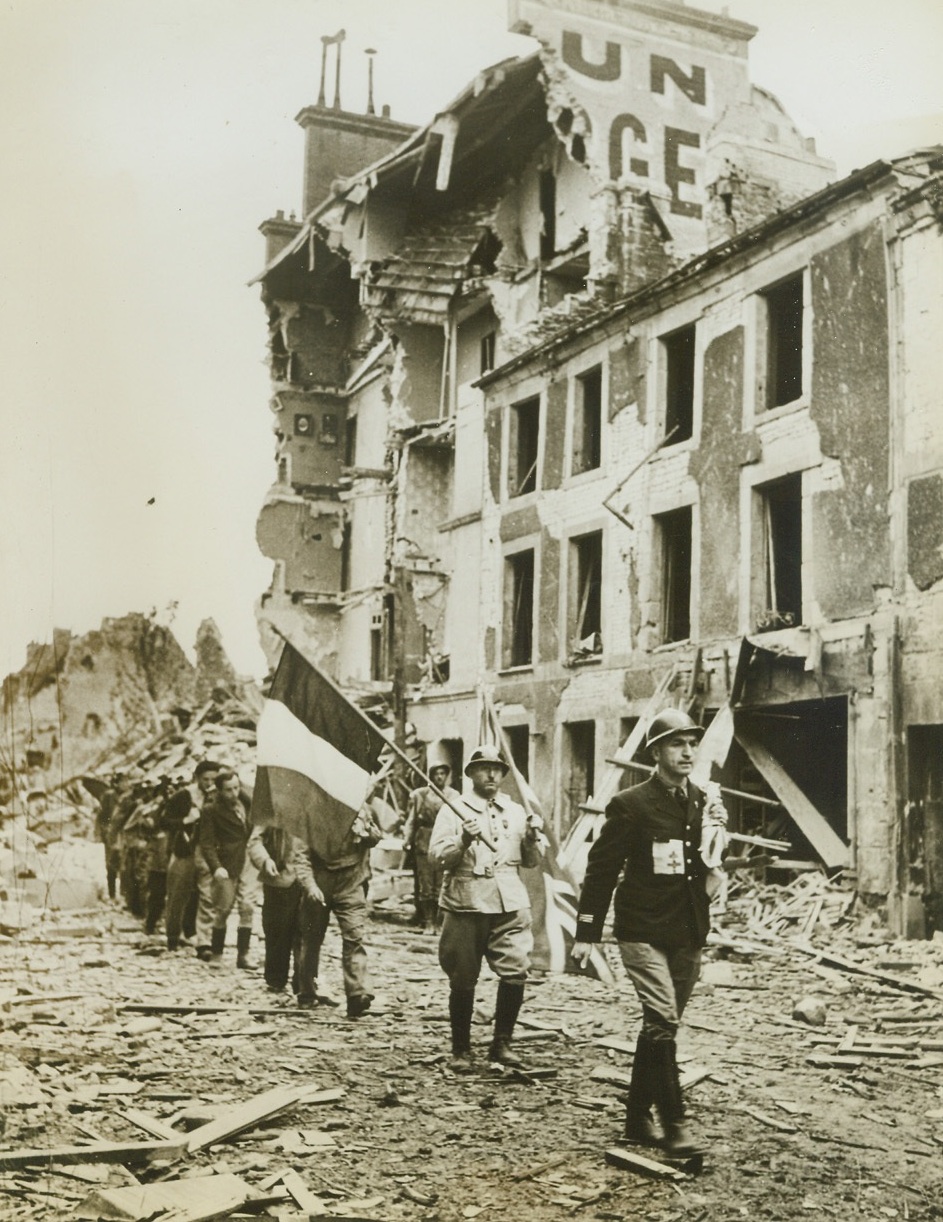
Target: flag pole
{"points": [[397, 750]]}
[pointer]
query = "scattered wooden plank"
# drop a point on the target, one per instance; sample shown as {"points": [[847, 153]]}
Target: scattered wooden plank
{"points": [[822, 1061], [858, 969], [301, 1194], [628, 1160], [770, 1121], [191, 1200], [617, 1045], [692, 1075], [154, 1007], [96, 1152], [151, 1124], [244, 1116], [555, 1160], [614, 1077], [846, 1043]]}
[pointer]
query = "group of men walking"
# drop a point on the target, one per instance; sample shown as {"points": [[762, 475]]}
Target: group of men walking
{"points": [[206, 860], [468, 851]]}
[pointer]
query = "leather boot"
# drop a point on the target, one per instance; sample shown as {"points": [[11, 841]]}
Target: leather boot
{"points": [[677, 1141], [507, 1007], [461, 1009], [217, 942], [243, 938], [640, 1126]]}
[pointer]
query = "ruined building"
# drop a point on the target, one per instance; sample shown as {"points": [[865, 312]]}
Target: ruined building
{"points": [[599, 388]]}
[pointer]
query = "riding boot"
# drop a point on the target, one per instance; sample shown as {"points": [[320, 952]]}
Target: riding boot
{"points": [[243, 938], [640, 1126], [461, 1009], [677, 1141], [507, 1007], [217, 942]]}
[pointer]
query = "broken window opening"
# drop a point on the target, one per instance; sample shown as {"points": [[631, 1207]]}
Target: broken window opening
{"points": [[586, 596], [519, 609], [782, 552], [675, 533], [587, 431], [350, 441], [518, 740], [679, 384], [578, 149], [580, 739], [345, 556], [484, 258], [524, 447], [377, 668], [488, 345], [435, 665], [784, 342], [547, 191]]}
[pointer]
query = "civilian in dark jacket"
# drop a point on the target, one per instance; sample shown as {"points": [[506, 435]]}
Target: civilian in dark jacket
{"points": [[181, 821], [224, 834], [652, 839]]}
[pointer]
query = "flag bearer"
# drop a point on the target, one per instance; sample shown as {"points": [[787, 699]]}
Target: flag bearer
{"points": [[486, 909], [649, 853]]}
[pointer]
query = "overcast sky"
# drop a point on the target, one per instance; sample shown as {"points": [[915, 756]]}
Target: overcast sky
{"points": [[143, 141]]}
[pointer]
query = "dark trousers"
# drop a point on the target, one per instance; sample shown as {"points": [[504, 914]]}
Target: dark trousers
{"points": [[281, 909], [156, 894]]}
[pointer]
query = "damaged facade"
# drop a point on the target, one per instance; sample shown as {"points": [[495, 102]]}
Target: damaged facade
{"points": [[597, 385]]}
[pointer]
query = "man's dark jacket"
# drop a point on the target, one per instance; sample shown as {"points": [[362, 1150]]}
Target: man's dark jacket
{"points": [[224, 833], [665, 910]]}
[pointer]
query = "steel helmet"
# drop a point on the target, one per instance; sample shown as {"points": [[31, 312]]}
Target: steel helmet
{"points": [[486, 754], [668, 722]]}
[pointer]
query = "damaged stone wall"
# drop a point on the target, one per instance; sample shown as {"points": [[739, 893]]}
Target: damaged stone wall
{"points": [[84, 697]]}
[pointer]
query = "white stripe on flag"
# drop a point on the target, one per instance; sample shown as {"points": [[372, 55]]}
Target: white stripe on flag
{"points": [[286, 742]]}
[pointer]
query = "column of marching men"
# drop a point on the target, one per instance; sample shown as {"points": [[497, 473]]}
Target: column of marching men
{"points": [[187, 855]]}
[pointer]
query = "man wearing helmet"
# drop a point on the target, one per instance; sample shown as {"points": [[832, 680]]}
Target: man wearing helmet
{"points": [[486, 908], [651, 837]]}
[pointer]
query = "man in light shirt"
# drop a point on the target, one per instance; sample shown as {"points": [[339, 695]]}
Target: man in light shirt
{"points": [[485, 905]]}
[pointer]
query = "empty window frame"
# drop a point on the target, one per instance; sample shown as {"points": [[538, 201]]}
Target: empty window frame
{"points": [[679, 384], [581, 766], [547, 189], [784, 342], [377, 665], [523, 447], [518, 636], [674, 530], [350, 441], [781, 535], [587, 421], [518, 739], [585, 618], [488, 346], [345, 555]]}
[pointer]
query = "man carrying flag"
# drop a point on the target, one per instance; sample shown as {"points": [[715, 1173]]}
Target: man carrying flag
{"points": [[316, 755]]}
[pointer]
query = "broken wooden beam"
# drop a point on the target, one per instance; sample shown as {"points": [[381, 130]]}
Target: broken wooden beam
{"points": [[858, 969], [246, 1115], [629, 1160], [95, 1152], [155, 1007]]}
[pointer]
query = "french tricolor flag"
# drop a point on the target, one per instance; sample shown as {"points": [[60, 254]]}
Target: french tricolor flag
{"points": [[316, 756]]}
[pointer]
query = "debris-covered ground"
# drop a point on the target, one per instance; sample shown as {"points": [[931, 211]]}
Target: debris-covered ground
{"points": [[109, 1041]]}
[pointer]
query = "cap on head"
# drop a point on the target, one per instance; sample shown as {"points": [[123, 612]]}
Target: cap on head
{"points": [[205, 766], [669, 722], [486, 754]]}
